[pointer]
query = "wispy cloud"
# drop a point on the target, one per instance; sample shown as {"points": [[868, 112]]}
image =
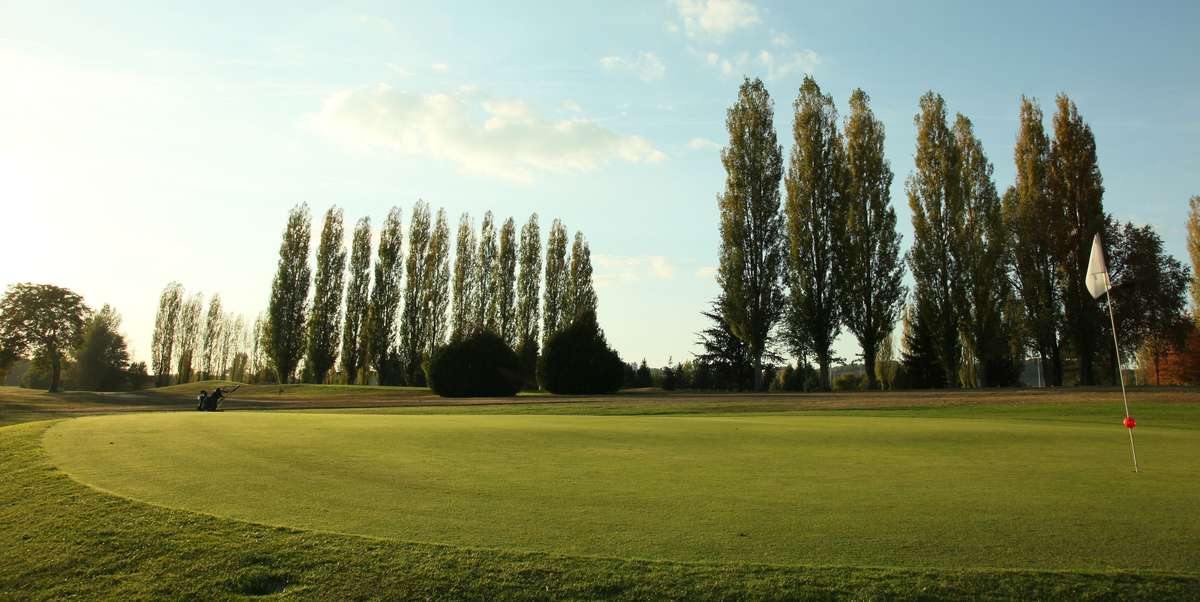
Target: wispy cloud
{"points": [[715, 18], [500, 137], [769, 65], [624, 269], [647, 66], [703, 144]]}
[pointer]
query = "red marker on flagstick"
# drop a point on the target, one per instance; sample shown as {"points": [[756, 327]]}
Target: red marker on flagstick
{"points": [[1130, 422]]}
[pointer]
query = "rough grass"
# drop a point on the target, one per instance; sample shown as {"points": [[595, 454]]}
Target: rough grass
{"points": [[65, 540]]}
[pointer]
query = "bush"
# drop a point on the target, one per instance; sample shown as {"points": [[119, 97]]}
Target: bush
{"points": [[851, 381], [475, 366], [578, 359]]}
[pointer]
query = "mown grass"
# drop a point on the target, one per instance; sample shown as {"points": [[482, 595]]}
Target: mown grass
{"points": [[64, 540]]}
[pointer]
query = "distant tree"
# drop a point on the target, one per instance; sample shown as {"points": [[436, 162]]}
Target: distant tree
{"points": [[476, 365], [486, 306], [938, 217], [260, 363], [528, 285], [102, 356], [288, 308], [357, 302], [816, 216], [385, 300], [414, 319], [1077, 189], [42, 321], [435, 293], [922, 366], [188, 340], [1028, 214], [210, 345], [670, 377], [752, 240], [463, 314], [985, 269], [554, 300], [1193, 244], [885, 363], [166, 324], [644, 378], [581, 293], [506, 285], [873, 273], [325, 320], [233, 345], [727, 356], [138, 376], [578, 360]]}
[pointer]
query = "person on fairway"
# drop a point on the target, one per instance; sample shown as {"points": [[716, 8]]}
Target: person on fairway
{"points": [[202, 400], [214, 399]]}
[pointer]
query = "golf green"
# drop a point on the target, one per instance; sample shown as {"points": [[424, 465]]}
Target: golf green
{"points": [[780, 489]]}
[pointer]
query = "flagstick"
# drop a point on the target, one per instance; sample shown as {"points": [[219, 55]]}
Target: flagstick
{"points": [[1120, 373]]}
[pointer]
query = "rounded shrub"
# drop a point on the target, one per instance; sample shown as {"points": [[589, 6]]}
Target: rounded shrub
{"points": [[479, 365], [578, 360]]}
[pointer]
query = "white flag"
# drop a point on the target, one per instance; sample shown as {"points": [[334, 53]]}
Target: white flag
{"points": [[1097, 272]]}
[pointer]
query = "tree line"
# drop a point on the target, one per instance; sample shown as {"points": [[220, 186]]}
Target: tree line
{"points": [[996, 276], [353, 318]]}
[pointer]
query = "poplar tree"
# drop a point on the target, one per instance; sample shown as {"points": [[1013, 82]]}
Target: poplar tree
{"points": [[581, 293], [872, 270], [214, 323], [385, 300], [357, 301], [462, 321], [486, 306], [528, 290], [1077, 190], [166, 327], [413, 320], [554, 300], [752, 240], [506, 283], [985, 271], [816, 222], [189, 337], [325, 321], [288, 308], [435, 292], [1029, 215], [936, 258], [1193, 245]]}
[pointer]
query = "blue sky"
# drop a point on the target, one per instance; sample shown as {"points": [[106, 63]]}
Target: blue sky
{"points": [[147, 142]]}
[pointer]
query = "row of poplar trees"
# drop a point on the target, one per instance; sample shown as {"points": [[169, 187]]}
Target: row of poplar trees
{"points": [[993, 274], [390, 317]]}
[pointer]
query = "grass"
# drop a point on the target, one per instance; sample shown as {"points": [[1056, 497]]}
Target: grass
{"points": [[933, 497]]}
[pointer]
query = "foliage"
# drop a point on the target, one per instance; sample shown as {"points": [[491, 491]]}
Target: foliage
{"points": [[138, 377], [885, 363], [1193, 246], [752, 239], [435, 292], [288, 308], [325, 320], [166, 324], [102, 356], [478, 365], [485, 307], [577, 359], [42, 321], [188, 338], [385, 300], [211, 339], [414, 319], [850, 381], [922, 367], [528, 290], [462, 320], [554, 300], [580, 294], [357, 302], [506, 283]]}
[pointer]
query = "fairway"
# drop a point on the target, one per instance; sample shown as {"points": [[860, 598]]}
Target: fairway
{"points": [[785, 489]]}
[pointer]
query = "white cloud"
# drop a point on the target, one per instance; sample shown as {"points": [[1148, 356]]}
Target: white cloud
{"points": [[500, 137], [440, 67], [621, 269], [647, 66], [706, 272], [781, 40], [768, 64], [715, 18], [702, 144]]}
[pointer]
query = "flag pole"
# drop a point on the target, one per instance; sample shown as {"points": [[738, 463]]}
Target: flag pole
{"points": [[1120, 372]]}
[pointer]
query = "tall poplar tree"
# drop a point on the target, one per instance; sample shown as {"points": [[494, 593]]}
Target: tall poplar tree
{"points": [[528, 291], [435, 293], [1077, 190], [486, 305], [936, 257], [506, 283], [188, 340], [1029, 215], [1193, 245], [325, 321], [873, 272], [166, 329], [214, 324], [816, 222], [462, 321], [554, 300], [357, 301], [581, 293], [288, 308], [385, 300], [752, 239], [415, 317]]}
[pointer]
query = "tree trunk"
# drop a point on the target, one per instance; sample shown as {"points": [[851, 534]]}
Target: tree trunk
{"points": [[823, 361], [758, 372], [55, 371], [869, 364]]}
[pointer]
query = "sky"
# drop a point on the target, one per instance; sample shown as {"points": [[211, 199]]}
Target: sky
{"points": [[149, 142]]}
